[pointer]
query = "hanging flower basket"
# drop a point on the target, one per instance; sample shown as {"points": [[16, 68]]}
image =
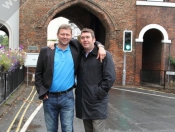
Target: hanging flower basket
{"points": [[11, 59]]}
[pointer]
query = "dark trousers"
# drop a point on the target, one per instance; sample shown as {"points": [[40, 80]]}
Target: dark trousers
{"points": [[94, 125]]}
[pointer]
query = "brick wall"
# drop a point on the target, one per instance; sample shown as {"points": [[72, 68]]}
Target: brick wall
{"points": [[114, 16]]}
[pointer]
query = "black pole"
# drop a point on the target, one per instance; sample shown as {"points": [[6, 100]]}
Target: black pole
{"points": [[164, 79], [5, 90]]}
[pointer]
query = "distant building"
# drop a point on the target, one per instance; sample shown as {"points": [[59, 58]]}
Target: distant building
{"points": [[75, 30], [152, 23], [9, 21]]}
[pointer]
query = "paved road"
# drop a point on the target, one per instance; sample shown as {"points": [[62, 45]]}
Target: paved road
{"points": [[130, 110], [141, 111]]}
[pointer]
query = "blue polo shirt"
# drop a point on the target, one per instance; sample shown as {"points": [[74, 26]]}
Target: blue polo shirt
{"points": [[63, 75]]}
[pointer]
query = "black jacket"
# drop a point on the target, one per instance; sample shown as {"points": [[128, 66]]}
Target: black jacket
{"points": [[44, 69], [94, 81]]}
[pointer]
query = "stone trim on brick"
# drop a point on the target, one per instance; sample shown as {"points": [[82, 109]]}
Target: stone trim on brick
{"points": [[148, 3], [154, 26]]}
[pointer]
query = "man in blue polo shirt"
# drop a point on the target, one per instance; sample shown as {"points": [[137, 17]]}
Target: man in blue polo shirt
{"points": [[55, 77]]}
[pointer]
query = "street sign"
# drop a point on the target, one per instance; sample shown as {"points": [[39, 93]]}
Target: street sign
{"points": [[170, 73], [31, 59]]}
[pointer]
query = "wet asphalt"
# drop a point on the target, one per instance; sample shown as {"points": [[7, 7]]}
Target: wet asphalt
{"points": [[129, 110]]}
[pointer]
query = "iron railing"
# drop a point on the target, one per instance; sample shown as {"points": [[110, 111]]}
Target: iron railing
{"points": [[152, 76], [9, 82], [157, 78]]}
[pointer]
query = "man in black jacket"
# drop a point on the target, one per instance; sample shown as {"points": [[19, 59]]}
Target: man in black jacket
{"points": [[54, 80], [94, 80]]}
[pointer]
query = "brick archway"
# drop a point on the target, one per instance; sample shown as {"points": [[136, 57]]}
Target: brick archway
{"points": [[35, 18], [83, 14], [97, 10]]}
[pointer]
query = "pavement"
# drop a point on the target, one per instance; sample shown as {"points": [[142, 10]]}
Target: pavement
{"points": [[6, 105], [13, 97], [23, 88]]}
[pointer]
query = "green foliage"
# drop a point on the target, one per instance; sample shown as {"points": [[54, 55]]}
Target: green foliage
{"points": [[172, 60], [5, 41], [78, 37], [11, 59], [52, 40], [5, 62], [1, 39]]}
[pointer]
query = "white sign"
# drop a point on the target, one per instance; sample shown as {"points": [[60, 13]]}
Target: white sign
{"points": [[170, 73], [31, 60]]}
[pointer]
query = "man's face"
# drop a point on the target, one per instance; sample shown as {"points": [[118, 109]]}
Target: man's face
{"points": [[64, 36], [87, 41]]}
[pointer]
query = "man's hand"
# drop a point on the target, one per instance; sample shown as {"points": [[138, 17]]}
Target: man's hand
{"points": [[101, 53], [51, 45], [45, 97]]}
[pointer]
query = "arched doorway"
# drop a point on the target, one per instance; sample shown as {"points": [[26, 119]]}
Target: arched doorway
{"points": [[83, 14], [151, 57], [4, 39], [152, 47], [84, 18]]}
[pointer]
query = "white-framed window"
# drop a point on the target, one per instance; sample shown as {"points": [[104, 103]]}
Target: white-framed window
{"points": [[160, 3], [156, 0]]}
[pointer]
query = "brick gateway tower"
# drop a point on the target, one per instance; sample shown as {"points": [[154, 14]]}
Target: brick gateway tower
{"points": [[108, 18]]}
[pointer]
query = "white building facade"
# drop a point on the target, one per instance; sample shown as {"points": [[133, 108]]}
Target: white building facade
{"points": [[9, 21]]}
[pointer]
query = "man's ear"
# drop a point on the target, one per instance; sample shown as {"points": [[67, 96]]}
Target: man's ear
{"points": [[94, 40]]}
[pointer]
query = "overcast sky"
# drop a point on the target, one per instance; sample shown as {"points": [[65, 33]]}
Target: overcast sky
{"points": [[53, 27], [2, 33]]}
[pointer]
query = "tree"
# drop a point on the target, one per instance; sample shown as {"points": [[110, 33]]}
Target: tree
{"points": [[172, 60], [1, 39], [5, 41]]}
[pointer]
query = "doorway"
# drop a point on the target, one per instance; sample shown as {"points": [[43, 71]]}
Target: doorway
{"points": [[151, 57], [84, 18]]}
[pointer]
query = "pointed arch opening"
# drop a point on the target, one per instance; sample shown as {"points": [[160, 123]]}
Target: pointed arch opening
{"points": [[83, 14]]}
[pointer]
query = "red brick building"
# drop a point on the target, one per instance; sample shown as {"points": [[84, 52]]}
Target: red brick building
{"points": [[152, 23]]}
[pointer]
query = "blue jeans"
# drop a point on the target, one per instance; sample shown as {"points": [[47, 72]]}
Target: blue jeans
{"points": [[59, 105]]}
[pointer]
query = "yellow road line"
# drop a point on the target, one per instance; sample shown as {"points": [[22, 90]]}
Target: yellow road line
{"points": [[22, 116], [27, 123], [10, 127]]}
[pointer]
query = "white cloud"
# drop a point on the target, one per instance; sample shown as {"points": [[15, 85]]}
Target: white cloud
{"points": [[2, 32]]}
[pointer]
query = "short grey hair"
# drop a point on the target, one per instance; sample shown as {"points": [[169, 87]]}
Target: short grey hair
{"points": [[65, 26]]}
